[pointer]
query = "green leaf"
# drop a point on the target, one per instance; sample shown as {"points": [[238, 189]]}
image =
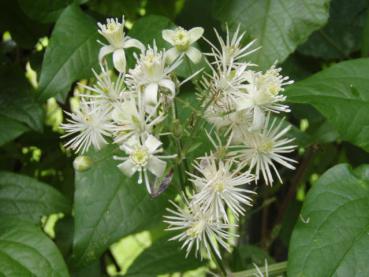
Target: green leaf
{"points": [[28, 199], [278, 26], [342, 34], [72, 52], [109, 206], [149, 28], [26, 251], [17, 100], [43, 10], [116, 8], [341, 94], [333, 240], [163, 257], [10, 129]]}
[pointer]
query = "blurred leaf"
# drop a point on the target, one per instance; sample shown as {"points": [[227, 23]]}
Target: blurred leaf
{"points": [[26, 251], [149, 28], [162, 257], [245, 255], [23, 30], [342, 34], [43, 10], [26, 198], [278, 26], [64, 229], [341, 94], [71, 53], [109, 206], [333, 240], [116, 8], [17, 101], [10, 129], [162, 7], [365, 37]]}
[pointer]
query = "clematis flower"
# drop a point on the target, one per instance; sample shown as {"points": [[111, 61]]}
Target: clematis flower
{"points": [[118, 41], [151, 74], [219, 186], [182, 41], [143, 157], [105, 92], [90, 125], [130, 121], [262, 150], [262, 94], [199, 230]]}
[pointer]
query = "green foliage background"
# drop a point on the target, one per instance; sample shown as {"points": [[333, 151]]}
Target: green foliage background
{"points": [[55, 222]]}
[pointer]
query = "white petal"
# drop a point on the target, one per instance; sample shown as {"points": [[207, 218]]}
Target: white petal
{"points": [[171, 55], [119, 60], [195, 34], [131, 42], [169, 84], [152, 143], [127, 167], [151, 94], [168, 35], [156, 166], [194, 54], [243, 103], [259, 119], [105, 50]]}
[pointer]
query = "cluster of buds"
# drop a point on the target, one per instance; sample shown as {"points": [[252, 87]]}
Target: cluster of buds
{"points": [[131, 109]]}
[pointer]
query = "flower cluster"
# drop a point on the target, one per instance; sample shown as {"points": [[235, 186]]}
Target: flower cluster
{"points": [[131, 109], [239, 103], [127, 109]]}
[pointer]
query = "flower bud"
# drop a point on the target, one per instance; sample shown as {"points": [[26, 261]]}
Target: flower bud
{"points": [[82, 163]]}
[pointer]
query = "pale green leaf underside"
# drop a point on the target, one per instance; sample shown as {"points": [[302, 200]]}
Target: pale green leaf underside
{"points": [[26, 198], [333, 241], [278, 25], [341, 94], [26, 251]]}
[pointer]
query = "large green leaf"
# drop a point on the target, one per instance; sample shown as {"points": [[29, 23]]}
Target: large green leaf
{"points": [[17, 100], [333, 239], [279, 26], [26, 198], [163, 257], [10, 129], [342, 34], [109, 206], [26, 251], [341, 94], [71, 53], [43, 10]]}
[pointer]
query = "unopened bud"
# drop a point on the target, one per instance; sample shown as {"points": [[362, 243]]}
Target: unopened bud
{"points": [[82, 163]]}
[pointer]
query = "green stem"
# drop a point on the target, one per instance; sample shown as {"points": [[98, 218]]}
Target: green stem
{"points": [[218, 261], [273, 270]]}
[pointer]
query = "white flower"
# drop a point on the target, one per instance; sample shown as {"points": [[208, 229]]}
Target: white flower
{"points": [[219, 186], [182, 41], [105, 92], [264, 149], [129, 121], [262, 94], [118, 41], [90, 124], [199, 230], [143, 157], [151, 74], [231, 50]]}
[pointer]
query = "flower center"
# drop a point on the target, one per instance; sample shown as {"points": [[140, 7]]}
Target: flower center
{"points": [[196, 229], [181, 40], [112, 27], [219, 187], [140, 156], [266, 147]]}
